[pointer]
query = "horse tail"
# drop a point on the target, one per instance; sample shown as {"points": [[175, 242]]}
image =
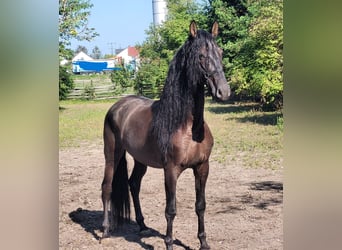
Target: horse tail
{"points": [[120, 203]]}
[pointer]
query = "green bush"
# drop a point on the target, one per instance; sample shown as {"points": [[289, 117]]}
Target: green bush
{"points": [[89, 91], [122, 79], [150, 78], [66, 84]]}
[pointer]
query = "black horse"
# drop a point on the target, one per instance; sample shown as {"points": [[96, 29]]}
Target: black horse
{"points": [[170, 134]]}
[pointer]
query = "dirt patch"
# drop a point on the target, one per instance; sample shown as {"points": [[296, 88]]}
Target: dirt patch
{"points": [[244, 207]]}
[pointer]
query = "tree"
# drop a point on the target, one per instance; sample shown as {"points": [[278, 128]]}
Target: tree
{"points": [[250, 34], [162, 43], [73, 22], [122, 78], [252, 39], [258, 67], [150, 78], [81, 48], [96, 53], [233, 19]]}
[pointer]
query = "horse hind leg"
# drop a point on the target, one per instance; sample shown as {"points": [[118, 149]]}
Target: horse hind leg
{"points": [[138, 173], [106, 194], [112, 155]]}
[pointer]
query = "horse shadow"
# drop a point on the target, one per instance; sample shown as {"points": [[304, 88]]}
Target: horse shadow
{"points": [[264, 118], [265, 195], [275, 190], [91, 222], [222, 108]]}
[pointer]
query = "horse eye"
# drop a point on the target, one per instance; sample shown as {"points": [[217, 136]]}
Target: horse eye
{"points": [[201, 56]]}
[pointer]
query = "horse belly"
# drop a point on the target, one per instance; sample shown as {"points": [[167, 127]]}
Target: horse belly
{"points": [[145, 157], [138, 143], [144, 150]]}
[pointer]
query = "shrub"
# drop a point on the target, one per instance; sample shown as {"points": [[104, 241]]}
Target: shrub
{"points": [[89, 91], [66, 84]]}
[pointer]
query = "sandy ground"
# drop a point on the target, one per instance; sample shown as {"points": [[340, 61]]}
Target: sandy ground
{"points": [[244, 206]]}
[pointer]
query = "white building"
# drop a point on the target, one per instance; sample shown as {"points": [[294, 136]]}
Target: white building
{"points": [[81, 56], [128, 56]]}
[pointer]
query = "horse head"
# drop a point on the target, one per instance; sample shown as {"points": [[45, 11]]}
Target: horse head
{"points": [[210, 61]]}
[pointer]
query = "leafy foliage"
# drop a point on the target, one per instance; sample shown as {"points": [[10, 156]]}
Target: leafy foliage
{"points": [[150, 78], [73, 23], [259, 65], [66, 84], [161, 44], [252, 39], [250, 33], [122, 79], [251, 36]]}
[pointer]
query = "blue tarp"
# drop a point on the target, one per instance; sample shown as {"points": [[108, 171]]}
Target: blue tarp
{"points": [[91, 66]]}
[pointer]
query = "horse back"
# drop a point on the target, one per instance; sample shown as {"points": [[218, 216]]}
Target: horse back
{"points": [[130, 120]]}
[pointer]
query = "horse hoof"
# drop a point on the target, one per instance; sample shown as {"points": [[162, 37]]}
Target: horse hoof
{"points": [[104, 236], [106, 242], [205, 248]]}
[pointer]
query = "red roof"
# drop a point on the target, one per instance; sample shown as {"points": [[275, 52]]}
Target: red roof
{"points": [[132, 51]]}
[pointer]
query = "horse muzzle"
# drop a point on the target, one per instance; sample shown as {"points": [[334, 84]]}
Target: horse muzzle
{"points": [[220, 89], [223, 92]]}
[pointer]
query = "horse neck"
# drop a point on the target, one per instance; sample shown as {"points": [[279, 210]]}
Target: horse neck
{"points": [[187, 105], [179, 104]]}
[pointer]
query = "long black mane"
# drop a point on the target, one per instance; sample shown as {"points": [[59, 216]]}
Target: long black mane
{"points": [[183, 94]]}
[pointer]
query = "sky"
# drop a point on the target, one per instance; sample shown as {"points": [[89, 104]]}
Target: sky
{"points": [[119, 23]]}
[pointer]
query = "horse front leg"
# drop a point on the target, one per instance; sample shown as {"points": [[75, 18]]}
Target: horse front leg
{"points": [[171, 174], [201, 174]]}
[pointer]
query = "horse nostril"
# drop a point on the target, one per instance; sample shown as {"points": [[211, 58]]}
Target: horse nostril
{"points": [[219, 93]]}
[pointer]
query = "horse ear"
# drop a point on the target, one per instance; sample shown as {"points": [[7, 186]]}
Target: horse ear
{"points": [[214, 30], [193, 29]]}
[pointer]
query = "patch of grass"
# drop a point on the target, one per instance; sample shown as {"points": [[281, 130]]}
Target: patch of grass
{"points": [[245, 135], [280, 122], [81, 121]]}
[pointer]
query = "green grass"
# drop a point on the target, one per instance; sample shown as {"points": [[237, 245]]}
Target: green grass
{"points": [[243, 134], [81, 121]]}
